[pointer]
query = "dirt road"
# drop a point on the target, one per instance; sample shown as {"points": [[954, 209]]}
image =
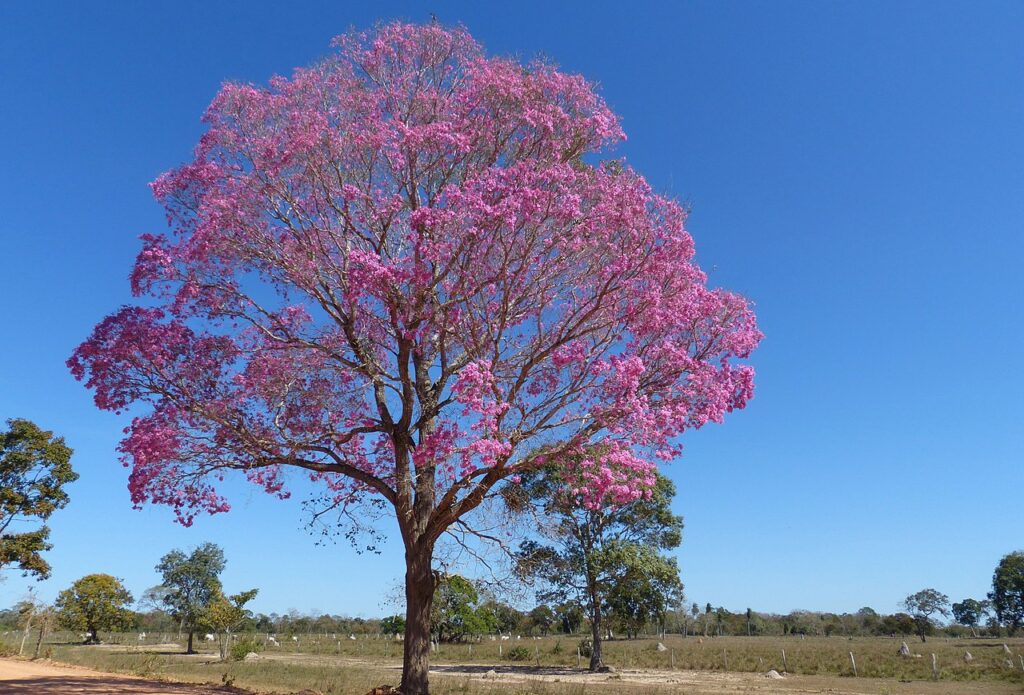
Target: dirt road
{"points": [[47, 678]]}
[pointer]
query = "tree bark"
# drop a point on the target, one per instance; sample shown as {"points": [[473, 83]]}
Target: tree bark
{"points": [[596, 660], [42, 633], [28, 628], [189, 649], [419, 596]]}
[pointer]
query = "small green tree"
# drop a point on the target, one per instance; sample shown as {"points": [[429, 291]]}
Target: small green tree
{"points": [[922, 606], [504, 617], [223, 614], [93, 603], [648, 585], [455, 613], [569, 616], [191, 582], [35, 467], [1007, 593], [969, 612], [393, 625], [541, 618], [588, 552]]}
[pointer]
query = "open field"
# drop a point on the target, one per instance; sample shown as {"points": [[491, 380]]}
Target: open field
{"points": [[342, 666]]}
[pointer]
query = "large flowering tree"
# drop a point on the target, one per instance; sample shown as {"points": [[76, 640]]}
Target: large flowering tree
{"points": [[403, 272]]}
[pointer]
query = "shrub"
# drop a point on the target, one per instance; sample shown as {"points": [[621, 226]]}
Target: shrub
{"points": [[586, 648], [243, 646], [519, 654]]}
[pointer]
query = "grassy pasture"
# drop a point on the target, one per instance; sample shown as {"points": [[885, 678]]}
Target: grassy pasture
{"points": [[340, 665]]}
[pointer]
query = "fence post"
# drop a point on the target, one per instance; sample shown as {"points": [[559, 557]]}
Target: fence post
{"points": [[853, 662], [784, 666], [935, 667], [725, 656], [577, 657], [672, 656]]}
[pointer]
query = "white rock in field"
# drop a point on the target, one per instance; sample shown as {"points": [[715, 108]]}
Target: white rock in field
{"points": [[491, 674], [968, 656], [773, 674], [904, 650], [252, 656], [662, 647]]}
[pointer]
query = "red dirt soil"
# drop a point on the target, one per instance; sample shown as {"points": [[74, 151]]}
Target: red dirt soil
{"points": [[47, 678]]}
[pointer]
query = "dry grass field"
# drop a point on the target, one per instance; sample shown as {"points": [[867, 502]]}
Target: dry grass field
{"points": [[338, 665]]}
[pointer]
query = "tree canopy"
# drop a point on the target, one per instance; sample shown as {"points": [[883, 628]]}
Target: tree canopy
{"points": [[222, 614], [922, 606], [93, 603], [1007, 593], [35, 467]]}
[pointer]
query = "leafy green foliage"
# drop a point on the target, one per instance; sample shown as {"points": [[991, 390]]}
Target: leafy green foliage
{"points": [[393, 625], [226, 613], [1007, 593], [456, 612], [93, 603], [519, 653], [970, 611], [192, 582], [541, 618], [34, 468], [569, 616], [504, 617], [223, 614], [648, 586], [243, 646]]}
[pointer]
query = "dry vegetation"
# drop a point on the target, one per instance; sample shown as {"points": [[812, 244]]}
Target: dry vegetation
{"points": [[341, 665]]}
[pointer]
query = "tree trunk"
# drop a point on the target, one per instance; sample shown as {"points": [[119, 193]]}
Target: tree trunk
{"points": [[596, 660], [42, 633], [419, 596], [189, 650], [28, 628]]}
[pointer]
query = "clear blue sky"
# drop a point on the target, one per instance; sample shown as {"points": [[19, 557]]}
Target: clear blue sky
{"points": [[856, 168]]}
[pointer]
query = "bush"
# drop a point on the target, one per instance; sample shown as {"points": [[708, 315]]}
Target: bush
{"points": [[557, 649], [243, 646], [519, 654], [586, 648]]}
